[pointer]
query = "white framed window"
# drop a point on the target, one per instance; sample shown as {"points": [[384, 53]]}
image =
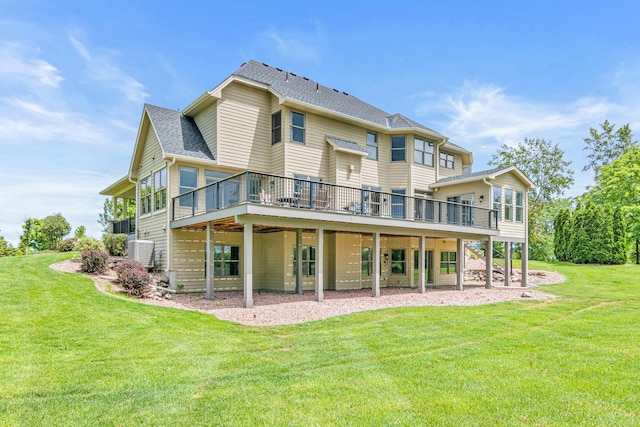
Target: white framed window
{"points": [[297, 127], [423, 152], [188, 182], [519, 205], [398, 148], [497, 201], [448, 261], [146, 193], [398, 262], [160, 189], [508, 204], [366, 262], [226, 261], [308, 261], [446, 160], [372, 146]]}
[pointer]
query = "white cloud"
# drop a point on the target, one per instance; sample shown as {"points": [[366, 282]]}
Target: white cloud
{"points": [[292, 47], [17, 64], [102, 69]]}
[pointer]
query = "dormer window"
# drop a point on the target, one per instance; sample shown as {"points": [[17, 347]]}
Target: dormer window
{"points": [[297, 127]]}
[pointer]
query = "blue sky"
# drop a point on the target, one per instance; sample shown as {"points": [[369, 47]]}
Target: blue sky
{"points": [[75, 74]]}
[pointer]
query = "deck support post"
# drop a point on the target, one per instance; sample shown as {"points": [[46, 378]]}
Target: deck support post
{"points": [[488, 255], [421, 262], [460, 264], [525, 265], [376, 265], [299, 289], [209, 295], [320, 264], [248, 266], [507, 263]]}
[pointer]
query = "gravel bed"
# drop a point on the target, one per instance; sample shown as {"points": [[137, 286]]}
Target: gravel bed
{"points": [[279, 308]]}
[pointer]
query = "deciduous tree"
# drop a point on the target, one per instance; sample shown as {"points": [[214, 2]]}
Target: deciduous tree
{"points": [[54, 228], [607, 145]]}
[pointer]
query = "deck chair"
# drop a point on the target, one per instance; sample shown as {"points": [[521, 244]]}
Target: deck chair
{"points": [[322, 199], [265, 199], [305, 197]]}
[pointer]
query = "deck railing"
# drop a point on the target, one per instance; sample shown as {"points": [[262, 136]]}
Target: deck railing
{"points": [[125, 226], [294, 193]]}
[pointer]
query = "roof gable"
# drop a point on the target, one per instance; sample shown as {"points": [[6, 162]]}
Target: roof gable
{"points": [[292, 86], [486, 174]]}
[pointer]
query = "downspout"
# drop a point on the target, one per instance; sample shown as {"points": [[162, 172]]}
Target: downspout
{"points": [[437, 159], [168, 270]]}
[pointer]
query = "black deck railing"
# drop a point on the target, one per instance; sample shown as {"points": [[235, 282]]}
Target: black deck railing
{"points": [[125, 226], [273, 190]]}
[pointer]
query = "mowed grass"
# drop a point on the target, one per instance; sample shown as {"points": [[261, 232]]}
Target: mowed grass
{"points": [[70, 355]]}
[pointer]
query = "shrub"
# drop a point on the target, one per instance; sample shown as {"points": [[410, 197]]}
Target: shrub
{"points": [[86, 243], [94, 261], [67, 245], [133, 276], [115, 243]]}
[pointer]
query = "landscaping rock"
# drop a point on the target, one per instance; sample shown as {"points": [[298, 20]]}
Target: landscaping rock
{"points": [[526, 295]]}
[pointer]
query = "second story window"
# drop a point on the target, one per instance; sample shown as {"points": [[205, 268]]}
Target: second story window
{"points": [[188, 182], [423, 152], [398, 148], [508, 204], [160, 188], [446, 160], [145, 195], [519, 205], [497, 201], [372, 146], [276, 127], [297, 127]]}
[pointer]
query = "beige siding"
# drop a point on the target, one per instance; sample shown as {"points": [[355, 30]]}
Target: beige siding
{"points": [[511, 229], [347, 266], [207, 122], [348, 169], [312, 157], [375, 172], [272, 255], [150, 225], [244, 128]]}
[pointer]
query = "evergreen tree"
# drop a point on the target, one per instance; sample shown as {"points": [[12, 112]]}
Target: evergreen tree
{"points": [[561, 230], [619, 236], [579, 252]]}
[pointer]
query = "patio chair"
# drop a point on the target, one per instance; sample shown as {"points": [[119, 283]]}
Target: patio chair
{"points": [[322, 199]]}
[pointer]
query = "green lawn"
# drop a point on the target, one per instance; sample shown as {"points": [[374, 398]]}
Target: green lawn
{"points": [[72, 356]]}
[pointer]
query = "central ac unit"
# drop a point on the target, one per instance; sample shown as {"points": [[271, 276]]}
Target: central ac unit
{"points": [[142, 251]]}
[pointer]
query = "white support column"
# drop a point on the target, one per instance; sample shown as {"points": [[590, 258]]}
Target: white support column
{"points": [[460, 264], [209, 269], [320, 264], [248, 266], [299, 289], [421, 246], [115, 208], [525, 265], [376, 265], [489, 259], [507, 263], [125, 203]]}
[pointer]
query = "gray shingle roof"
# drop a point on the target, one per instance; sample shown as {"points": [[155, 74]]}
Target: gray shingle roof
{"points": [[177, 133], [305, 90], [347, 145], [472, 175]]}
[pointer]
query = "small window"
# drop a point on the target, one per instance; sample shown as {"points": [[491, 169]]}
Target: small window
{"points": [[188, 182], [398, 148], [366, 264], [497, 201], [226, 261], [308, 261], [160, 188], [276, 127], [508, 204], [448, 262], [146, 192], [372, 146], [423, 152], [519, 205], [297, 127], [446, 160], [398, 262]]}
